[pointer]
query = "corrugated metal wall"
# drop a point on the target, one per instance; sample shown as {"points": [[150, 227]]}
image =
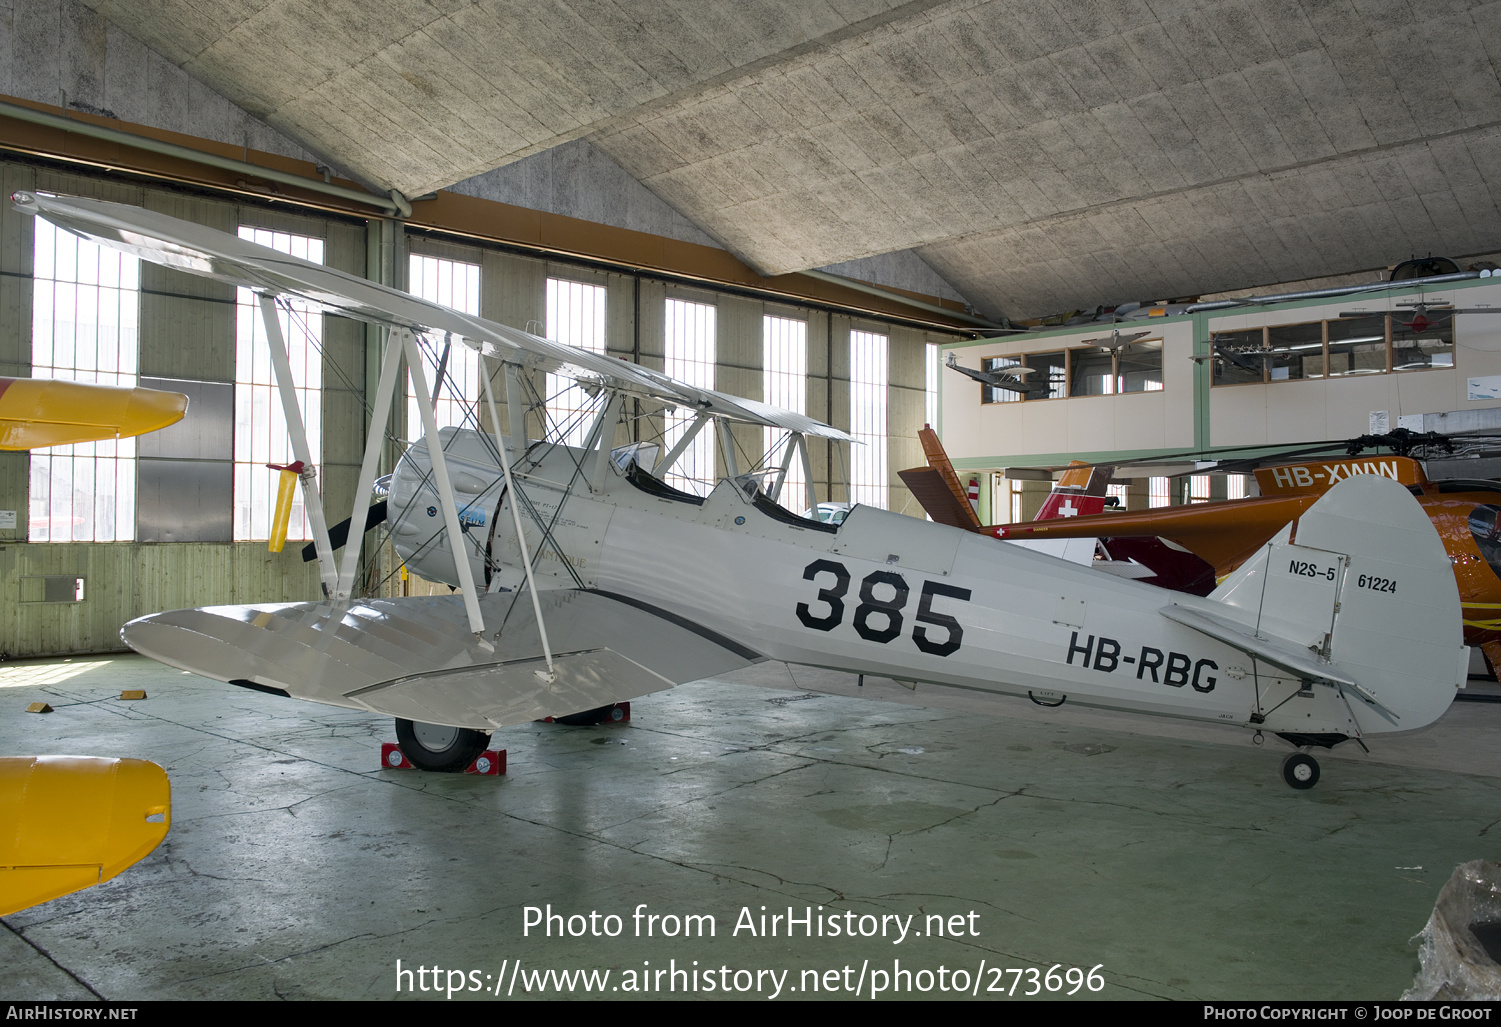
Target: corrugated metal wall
{"points": [[187, 331]]}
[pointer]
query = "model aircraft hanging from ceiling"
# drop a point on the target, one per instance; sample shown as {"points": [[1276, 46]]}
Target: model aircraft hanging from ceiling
{"points": [[1010, 378], [587, 579]]}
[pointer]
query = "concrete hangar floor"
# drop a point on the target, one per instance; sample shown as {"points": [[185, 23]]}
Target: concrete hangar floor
{"points": [[1149, 858]]}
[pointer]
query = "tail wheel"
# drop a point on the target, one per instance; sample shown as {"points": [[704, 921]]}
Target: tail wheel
{"points": [[445, 750], [1300, 770]]}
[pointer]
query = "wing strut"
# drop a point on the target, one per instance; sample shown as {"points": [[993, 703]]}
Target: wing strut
{"points": [[505, 468], [445, 485], [802, 445], [297, 435], [727, 440], [671, 456], [384, 392], [776, 487], [603, 436]]}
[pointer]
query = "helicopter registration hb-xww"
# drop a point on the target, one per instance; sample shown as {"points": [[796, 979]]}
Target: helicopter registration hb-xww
{"points": [[586, 579]]}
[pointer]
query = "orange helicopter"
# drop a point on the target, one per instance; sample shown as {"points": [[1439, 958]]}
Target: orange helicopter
{"points": [[1466, 513]]}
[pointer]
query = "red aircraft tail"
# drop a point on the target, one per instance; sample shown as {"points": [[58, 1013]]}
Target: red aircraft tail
{"points": [[1081, 490]]}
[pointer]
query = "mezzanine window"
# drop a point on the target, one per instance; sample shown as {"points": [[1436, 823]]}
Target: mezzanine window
{"points": [[1087, 371], [1335, 348]]}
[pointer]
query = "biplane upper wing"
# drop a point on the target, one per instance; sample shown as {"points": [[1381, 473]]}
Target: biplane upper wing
{"points": [[212, 254]]}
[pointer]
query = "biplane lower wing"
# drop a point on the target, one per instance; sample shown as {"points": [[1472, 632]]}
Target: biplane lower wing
{"points": [[412, 657]]}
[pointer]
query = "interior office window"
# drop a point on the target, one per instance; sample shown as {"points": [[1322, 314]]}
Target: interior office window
{"points": [[1235, 486], [1139, 366], [1093, 372], [575, 316], [690, 352], [992, 394], [84, 326], [1357, 345], [1198, 488], [1295, 351], [260, 425], [455, 284], [1121, 494], [1238, 357], [1050, 369], [784, 383], [868, 378], [1432, 346], [1103, 371]]}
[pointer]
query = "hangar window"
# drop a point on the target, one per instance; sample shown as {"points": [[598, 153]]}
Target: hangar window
{"points": [[576, 316], [1159, 492], [455, 284], [84, 321], [260, 425], [932, 381], [690, 353], [784, 383], [868, 377]]}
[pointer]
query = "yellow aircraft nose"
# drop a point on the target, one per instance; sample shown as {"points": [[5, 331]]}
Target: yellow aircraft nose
{"points": [[68, 822], [38, 412]]}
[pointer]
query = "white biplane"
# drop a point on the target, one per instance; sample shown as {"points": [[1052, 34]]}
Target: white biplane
{"points": [[1347, 624]]}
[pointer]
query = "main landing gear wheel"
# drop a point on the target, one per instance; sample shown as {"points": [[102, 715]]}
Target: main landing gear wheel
{"points": [[445, 750], [1300, 770]]}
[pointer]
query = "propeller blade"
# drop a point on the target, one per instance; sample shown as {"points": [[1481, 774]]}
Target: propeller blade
{"points": [[338, 535]]}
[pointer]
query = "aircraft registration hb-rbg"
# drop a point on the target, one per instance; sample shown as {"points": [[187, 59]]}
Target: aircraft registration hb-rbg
{"points": [[586, 579]]}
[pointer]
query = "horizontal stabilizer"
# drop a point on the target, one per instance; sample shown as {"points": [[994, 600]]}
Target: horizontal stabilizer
{"points": [[937, 498], [415, 657], [1299, 664]]}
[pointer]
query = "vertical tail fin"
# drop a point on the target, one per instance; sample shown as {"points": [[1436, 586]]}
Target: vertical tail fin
{"points": [[1357, 594], [937, 487], [1081, 490]]}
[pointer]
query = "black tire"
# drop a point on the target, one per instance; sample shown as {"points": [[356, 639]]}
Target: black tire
{"points": [[588, 718], [444, 750], [1300, 771]]}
